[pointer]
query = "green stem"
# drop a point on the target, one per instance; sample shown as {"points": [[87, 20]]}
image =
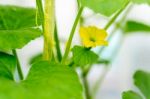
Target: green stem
{"points": [[100, 81], [106, 69], [111, 22], [113, 32], [18, 65], [116, 16], [103, 61], [109, 39], [106, 27], [40, 11], [47, 19], [41, 15], [71, 35], [86, 85], [78, 2], [59, 55], [49, 25]]}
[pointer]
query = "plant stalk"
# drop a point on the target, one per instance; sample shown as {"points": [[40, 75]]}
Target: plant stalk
{"points": [[18, 65], [86, 85], [123, 18], [49, 25], [78, 3], [71, 35], [47, 17], [59, 55], [40, 11], [100, 81], [113, 19]]}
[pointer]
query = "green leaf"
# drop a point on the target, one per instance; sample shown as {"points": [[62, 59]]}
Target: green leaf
{"points": [[141, 1], [16, 39], [132, 26], [16, 27], [142, 81], [106, 7], [13, 17], [83, 56], [7, 65], [131, 95], [12, 90], [57, 81], [44, 81]]}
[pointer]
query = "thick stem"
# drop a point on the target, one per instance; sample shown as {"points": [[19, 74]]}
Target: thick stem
{"points": [[40, 11], [18, 65], [71, 35], [78, 3], [49, 24]]}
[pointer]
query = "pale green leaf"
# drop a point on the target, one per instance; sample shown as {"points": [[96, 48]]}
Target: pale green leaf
{"points": [[106, 7], [141, 1], [16, 39]]}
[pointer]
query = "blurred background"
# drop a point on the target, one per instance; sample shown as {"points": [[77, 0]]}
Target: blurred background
{"points": [[127, 53]]}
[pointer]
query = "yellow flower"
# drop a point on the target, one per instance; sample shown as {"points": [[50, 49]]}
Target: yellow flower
{"points": [[92, 36]]}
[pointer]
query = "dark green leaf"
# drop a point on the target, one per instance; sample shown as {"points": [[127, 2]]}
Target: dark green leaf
{"points": [[83, 56], [131, 95], [133, 26], [44, 81], [106, 7], [7, 65]]}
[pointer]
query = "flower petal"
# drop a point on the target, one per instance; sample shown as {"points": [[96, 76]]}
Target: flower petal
{"points": [[92, 32]]}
